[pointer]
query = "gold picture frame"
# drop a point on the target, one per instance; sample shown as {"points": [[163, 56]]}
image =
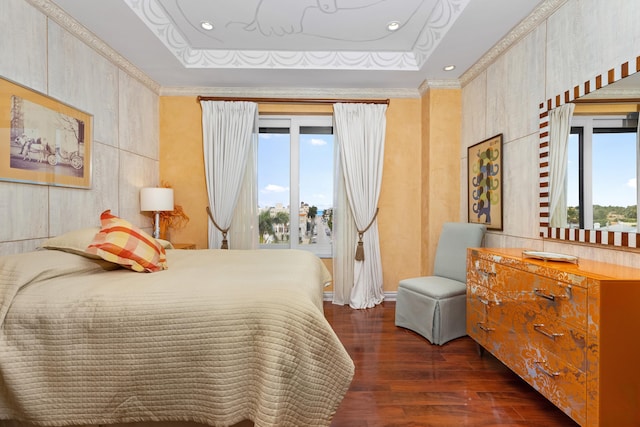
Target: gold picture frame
{"points": [[484, 176], [42, 140]]}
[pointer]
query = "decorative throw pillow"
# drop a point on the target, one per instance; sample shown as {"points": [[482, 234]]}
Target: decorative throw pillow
{"points": [[122, 243], [74, 242]]}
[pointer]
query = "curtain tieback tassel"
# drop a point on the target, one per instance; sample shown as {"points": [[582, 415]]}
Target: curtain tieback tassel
{"points": [[224, 231], [360, 248]]}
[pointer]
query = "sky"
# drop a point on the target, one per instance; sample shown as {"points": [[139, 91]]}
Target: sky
{"points": [[614, 173], [614, 170], [316, 170]]}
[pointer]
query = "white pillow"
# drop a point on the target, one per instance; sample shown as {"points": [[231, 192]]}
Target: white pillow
{"points": [[74, 242]]}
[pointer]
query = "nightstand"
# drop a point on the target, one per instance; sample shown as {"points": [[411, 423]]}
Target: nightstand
{"points": [[184, 245]]}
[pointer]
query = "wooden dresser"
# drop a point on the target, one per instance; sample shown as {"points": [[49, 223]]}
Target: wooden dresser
{"points": [[572, 331]]}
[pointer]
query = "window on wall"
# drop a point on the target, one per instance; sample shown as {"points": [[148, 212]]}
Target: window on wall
{"points": [[295, 183], [602, 173]]}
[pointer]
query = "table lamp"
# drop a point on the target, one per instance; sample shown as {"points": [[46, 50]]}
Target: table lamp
{"points": [[156, 199]]}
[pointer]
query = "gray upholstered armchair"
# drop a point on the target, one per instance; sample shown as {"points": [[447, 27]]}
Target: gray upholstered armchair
{"points": [[435, 306]]}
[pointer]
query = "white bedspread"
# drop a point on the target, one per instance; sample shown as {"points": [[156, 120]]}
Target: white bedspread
{"points": [[219, 337]]}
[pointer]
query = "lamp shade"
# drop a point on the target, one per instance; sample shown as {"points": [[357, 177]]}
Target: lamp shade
{"points": [[156, 199]]}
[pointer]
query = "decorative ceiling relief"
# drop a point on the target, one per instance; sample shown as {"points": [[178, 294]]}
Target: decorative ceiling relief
{"points": [[300, 34]]}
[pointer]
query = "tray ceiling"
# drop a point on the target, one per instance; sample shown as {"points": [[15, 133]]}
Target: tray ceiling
{"points": [[299, 43]]}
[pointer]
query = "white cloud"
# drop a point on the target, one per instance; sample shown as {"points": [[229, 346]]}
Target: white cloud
{"points": [[273, 188], [316, 141], [632, 183]]}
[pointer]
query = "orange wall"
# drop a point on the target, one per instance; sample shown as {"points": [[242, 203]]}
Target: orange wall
{"points": [[403, 194], [399, 216], [441, 135], [182, 165]]}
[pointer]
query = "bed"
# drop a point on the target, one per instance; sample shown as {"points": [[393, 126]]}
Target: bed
{"points": [[218, 337]]}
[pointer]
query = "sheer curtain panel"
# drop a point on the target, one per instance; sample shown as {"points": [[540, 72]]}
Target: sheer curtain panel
{"points": [[559, 129], [344, 236], [360, 131], [229, 138]]}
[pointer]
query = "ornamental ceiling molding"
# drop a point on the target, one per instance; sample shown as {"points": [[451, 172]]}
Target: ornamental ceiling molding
{"points": [[58, 15], [239, 92], [440, 20], [533, 20], [438, 84]]}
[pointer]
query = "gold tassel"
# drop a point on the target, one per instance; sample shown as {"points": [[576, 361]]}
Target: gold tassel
{"points": [[225, 244], [360, 249]]}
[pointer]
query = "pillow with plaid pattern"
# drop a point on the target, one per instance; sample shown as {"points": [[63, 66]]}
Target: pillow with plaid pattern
{"points": [[121, 242]]}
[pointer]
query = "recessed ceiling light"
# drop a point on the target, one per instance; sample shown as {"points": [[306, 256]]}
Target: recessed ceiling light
{"points": [[449, 68], [206, 25], [393, 25]]}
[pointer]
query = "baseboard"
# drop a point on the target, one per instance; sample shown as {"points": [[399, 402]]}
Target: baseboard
{"points": [[388, 296]]}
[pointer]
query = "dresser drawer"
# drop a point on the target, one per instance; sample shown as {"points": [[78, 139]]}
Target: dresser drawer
{"points": [[542, 294], [563, 340], [564, 385], [480, 271], [490, 323], [480, 298], [495, 337], [477, 326]]}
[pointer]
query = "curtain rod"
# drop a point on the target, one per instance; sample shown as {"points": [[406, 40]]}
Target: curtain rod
{"points": [[295, 100]]}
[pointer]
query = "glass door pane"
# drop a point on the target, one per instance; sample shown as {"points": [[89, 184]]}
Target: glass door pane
{"points": [[274, 187], [316, 188]]}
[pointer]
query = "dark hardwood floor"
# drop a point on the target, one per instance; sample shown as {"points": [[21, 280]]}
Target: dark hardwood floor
{"points": [[403, 380]]}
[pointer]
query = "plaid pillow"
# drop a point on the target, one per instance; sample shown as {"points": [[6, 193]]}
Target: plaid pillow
{"points": [[122, 243]]}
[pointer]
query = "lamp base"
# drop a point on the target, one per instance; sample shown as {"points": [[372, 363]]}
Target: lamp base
{"points": [[156, 225]]}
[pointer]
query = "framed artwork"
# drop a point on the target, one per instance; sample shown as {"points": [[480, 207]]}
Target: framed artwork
{"points": [[484, 173], [42, 140]]}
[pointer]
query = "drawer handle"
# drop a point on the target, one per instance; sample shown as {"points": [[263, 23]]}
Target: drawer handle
{"points": [[551, 297], [544, 370], [486, 273], [540, 328], [487, 302], [482, 271], [484, 328]]}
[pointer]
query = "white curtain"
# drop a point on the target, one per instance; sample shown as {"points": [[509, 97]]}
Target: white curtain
{"points": [[559, 129], [243, 233], [344, 235], [229, 138], [360, 135]]}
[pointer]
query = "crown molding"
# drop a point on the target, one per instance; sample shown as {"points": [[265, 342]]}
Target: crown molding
{"points": [[239, 92], [438, 84], [534, 19], [58, 15]]}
